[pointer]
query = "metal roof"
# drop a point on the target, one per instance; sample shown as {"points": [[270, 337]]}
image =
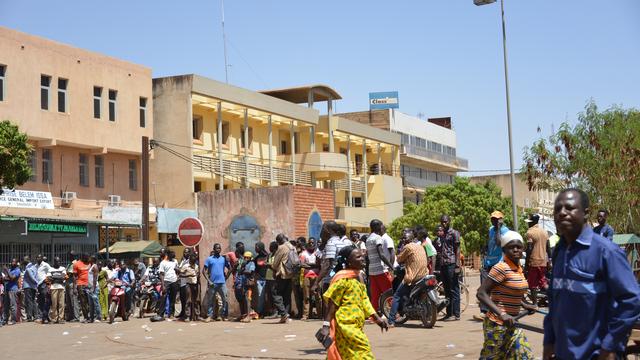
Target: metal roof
{"points": [[300, 94]]}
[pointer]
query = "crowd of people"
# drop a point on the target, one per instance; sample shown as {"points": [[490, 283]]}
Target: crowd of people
{"points": [[593, 297]]}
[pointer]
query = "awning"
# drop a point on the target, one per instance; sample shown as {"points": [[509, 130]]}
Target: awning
{"points": [[169, 219], [142, 248], [626, 239]]}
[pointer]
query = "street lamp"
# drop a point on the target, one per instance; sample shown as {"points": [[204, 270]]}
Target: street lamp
{"points": [[506, 86]]}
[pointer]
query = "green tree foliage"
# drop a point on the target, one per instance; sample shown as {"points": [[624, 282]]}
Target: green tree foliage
{"points": [[469, 206], [14, 156], [599, 154]]}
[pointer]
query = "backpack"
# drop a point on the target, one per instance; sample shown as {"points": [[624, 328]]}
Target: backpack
{"points": [[292, 263]]}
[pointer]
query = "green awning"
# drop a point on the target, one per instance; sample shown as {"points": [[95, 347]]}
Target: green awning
{"points": [[626, 239], [142, 248]]}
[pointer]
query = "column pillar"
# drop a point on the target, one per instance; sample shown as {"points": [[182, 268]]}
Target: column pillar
{"points": [[271, 181], [349, 172], [365, 170], [221, 166], [379, 160], [246, 148], [293, 153]]}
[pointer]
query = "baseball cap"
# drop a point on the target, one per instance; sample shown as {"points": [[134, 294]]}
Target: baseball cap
{"points": [[497, 214]]}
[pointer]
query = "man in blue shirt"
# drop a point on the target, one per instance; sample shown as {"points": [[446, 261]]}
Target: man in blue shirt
{"points": [[30, 288], [216, 270], [493, 253], [594, 297], [603, 229], [11, 292]]}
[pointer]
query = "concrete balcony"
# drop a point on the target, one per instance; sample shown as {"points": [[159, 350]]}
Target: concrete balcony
{"points": [[323, 165], [437, 160]]}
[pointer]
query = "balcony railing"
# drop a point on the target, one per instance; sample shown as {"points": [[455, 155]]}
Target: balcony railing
{"points": [[434, 155]]}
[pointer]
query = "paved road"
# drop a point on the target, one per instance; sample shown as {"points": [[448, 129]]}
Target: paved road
{"points": [[263, 339]]}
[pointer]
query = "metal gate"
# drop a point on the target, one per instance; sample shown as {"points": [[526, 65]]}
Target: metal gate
{"points": [[245, 229]]}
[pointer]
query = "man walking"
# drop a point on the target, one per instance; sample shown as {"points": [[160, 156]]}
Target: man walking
{"points": [[380, 279], [216, 270], [57, 276], [594, 297], [30, 288], [603, 229], [538, 254], [283, 276], [42, 269], [450, 270]]}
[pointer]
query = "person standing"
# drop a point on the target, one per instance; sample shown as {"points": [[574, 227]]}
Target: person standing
{"points": [[283, 277], [11, 310], [271, 311], [309, 264], [184, 289], [42, 269], [450, 270], [380, 280], [243, 282], [493, 251], [594, 299], [81, 283], [216, 270], [389, 246], [57, 276], [298, 278], [416, 267], [502, 292], [603, 229], [30, 288], [72, 308], [189, 274], [330, 246], [169, 283], [347, 309], [538, 255], [93, 289], [260, 276], [103, 290], [430, 251]]}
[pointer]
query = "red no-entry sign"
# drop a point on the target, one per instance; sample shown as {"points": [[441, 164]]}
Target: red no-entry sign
{"points": [[190, 232]]}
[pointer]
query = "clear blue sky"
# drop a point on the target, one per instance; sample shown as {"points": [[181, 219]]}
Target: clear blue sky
{"points": [[443, 56]]}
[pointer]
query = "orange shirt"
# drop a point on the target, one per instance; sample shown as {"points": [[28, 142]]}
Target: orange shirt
{"points": [[82, 273], [511, 287]]}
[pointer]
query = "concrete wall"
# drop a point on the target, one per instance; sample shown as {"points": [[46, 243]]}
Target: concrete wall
{"points": [[28, 57], [418, 127], [172, 177], [385, 193], [542, 200]]}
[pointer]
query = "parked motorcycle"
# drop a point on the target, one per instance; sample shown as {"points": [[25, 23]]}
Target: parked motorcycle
{"points": [[117, 302], [149, 294], [423, 302]]}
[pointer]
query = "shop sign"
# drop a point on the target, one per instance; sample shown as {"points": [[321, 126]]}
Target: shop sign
{"points": [[26, 199], [384, 100], [57, 227]]}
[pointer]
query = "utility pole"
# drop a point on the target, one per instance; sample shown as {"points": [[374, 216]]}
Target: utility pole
{"points": [[224, 43], [145, 188]]}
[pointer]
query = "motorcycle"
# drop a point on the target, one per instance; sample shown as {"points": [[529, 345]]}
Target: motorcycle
{"points": [[117, 301], [423, 302], [149, 294]]}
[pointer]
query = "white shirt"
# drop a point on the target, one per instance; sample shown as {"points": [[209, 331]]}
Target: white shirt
{"points": [[389, 247], [168, 268], [42, 271], [60, 269]]}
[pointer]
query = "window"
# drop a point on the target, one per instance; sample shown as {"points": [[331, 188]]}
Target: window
{"points": [[112, 104], [133, 175], [47, 166], [84, 170], [197, 127], [99, 171], [143, 112], [45, 84], [97, 102], [33, 163], [62, 95], [197, 186], [3, 71], [359, 164], [357, 202], [242, 136], [325, 147], [283, 147], [225, 132]]}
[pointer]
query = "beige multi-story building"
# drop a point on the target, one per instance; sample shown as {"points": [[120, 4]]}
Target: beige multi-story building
{"points": [[84, 114]]}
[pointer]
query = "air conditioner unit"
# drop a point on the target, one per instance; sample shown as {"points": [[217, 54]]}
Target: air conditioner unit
{"points": [[68, 197], [114, 200], [403, 150]]}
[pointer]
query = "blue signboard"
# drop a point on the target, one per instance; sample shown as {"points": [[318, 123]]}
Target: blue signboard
{"points": [[384, 100]]}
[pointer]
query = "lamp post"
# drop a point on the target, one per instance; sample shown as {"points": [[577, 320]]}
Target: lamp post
{"points": [[506, 86]]}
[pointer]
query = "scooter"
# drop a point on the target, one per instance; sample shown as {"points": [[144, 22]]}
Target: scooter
{"points": [[423, 302], [117, 302], [149, 296]]}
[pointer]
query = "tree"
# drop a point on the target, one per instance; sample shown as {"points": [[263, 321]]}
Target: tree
{"points": [[15, 154], [600, 155], [469, 206]]}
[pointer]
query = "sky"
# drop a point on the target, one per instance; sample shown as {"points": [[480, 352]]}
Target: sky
{"points": [[444, 57]]}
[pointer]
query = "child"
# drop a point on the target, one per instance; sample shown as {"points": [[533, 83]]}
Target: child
{"points": [[243, 282]]}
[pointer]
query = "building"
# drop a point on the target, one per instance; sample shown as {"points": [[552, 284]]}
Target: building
{"points": [[428, 155], [267, 152], [84, 114], [540, 201]]}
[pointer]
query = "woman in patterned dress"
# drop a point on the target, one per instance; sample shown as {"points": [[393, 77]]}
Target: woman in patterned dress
{"points": [[348, 308], [503, 293]]}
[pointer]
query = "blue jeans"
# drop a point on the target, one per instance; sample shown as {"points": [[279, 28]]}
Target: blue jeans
{"points": [[401, 292], [220, 289], [260, 284], [93, 297], [451, 289]]}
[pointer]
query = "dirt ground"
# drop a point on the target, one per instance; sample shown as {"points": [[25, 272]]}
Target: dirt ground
{"points": [[262, 339]]}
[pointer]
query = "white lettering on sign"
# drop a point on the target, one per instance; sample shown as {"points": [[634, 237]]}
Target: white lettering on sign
{"points": [[386, 100], [26, 199], [190, 232]]}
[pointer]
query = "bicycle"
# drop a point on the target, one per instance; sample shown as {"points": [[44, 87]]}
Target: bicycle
{"points": [[464, 294]]}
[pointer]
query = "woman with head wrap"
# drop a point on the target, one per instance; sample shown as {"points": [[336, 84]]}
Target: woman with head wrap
{"points": [[348, 307], [502, 292]]}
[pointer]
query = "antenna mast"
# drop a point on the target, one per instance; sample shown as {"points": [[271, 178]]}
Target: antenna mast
{"points": [[224, 42]]}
